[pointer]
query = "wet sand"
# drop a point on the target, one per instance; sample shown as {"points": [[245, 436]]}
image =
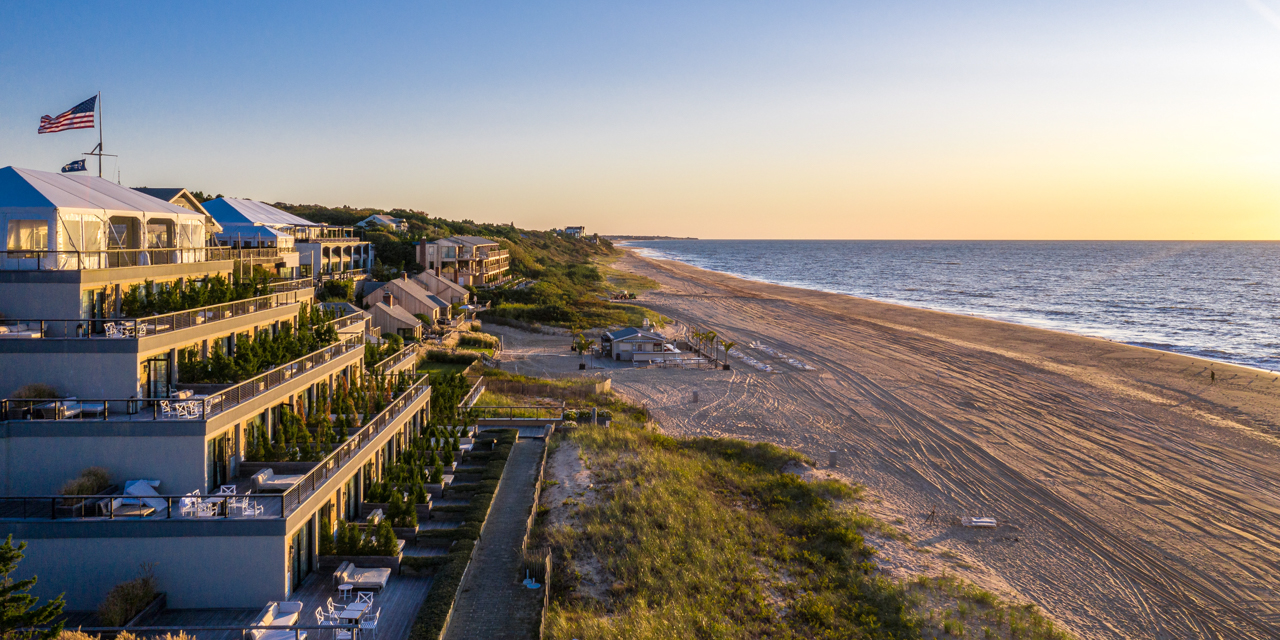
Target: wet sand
{"points": [[1137, 498]]}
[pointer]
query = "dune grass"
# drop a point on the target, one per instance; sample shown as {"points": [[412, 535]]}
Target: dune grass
{"points": [[710, 538]]}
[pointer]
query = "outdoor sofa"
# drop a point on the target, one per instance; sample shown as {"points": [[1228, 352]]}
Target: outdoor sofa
{"points": [[278, 614], [267, 480], [361, 579]]}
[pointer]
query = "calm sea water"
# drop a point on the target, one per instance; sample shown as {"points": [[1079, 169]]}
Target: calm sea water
{"points": [[1217, 300]]}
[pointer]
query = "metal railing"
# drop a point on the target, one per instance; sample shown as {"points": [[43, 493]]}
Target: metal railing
{"points": [[295, 284], [335, 461], [115, 328], [299, 631], [100, 408], [130, 507], [531, 412], [474, 395], [41, 259], [232, 397], [409, 352]]}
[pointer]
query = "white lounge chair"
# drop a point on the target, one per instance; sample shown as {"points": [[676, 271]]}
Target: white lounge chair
{"points": [[364, 579], [278, 614], [267, 480]]}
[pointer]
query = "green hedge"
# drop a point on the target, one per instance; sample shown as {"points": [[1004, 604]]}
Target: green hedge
{"points": [[434, 611]]}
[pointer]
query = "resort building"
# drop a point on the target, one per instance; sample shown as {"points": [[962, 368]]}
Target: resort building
{"points": [[466, 260], [386, 222], [115, 365], [325, 252]]}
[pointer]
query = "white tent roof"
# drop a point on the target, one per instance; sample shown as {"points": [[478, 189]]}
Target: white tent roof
{"points": [[229, 211], [26, 191]]}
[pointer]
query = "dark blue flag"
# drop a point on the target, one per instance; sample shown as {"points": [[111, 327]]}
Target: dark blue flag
{"points": [[77, 165]]}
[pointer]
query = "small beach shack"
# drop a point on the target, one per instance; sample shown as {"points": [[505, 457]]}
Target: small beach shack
{"points": [[637, 345]]}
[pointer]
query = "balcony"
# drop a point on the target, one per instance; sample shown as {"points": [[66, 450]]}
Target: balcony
{"points": [[39, 260], [314, 481], [132, 328], [192, 408]]}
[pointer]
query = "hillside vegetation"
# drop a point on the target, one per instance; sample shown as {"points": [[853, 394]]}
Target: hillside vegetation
{"points": [[558, 279], [657, 537]]}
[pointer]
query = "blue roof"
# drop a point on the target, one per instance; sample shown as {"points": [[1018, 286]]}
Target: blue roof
{"points": [[632, 332], [231, 211]]}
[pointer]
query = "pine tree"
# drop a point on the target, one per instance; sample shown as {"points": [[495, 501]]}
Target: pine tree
{"points": [[16, 616]]}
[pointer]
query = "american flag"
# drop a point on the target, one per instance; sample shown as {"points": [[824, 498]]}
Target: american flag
{"points": [[77, 117]]}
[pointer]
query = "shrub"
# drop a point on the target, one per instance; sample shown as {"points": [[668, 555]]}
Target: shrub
{"points": [[385, 539], [36, 390], [437, 473], [129, 598], [89, 482]]}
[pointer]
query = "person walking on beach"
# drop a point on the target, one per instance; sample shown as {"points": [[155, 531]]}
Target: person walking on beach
{"points": [[1213, 376]]}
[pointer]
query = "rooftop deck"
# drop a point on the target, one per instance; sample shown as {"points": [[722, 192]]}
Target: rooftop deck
{"points": [[398, 602]]}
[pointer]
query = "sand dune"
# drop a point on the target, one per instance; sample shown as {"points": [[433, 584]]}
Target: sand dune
{"points": [[1137, 499]]}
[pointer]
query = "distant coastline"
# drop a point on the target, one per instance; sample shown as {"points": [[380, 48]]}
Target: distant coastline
{"points": [[1205, 300], [639, 238]]}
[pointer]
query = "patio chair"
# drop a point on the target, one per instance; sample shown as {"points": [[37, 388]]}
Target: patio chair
{"points": [[252, 508], [206, 509], [370, 623], [365, 597], [227, 490]]}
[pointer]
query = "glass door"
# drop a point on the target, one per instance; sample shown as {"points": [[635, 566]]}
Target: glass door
{"points": [[157, 375], [217, 465]]}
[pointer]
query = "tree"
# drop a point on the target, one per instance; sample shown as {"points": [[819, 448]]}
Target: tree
{"points": [[16, 616], [727, 345]]}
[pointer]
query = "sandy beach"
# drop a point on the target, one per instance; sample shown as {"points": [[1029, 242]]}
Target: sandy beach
{"points": [[1137, 498]]}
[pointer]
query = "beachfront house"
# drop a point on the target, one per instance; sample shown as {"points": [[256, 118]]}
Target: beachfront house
{"points": [[325, 252], [466, 260], [389, 316], [443, 288], [92, 378], [574, 232], [413, 298], [385, 222], [637, 345]]}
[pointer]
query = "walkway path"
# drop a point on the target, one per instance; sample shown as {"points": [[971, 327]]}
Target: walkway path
{"points": [[494, 603]]}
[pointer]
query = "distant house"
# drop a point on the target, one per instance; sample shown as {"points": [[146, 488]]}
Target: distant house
{"points": [[379, 220], [443, 288], [412, 297], [636, 345], [574, 232], [466, 260], [391, 317]]}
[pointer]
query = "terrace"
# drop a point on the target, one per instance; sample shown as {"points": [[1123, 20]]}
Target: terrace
{"points": [[396, 607], [45, 260], [193, 408], [288, 293], [142, 503]]}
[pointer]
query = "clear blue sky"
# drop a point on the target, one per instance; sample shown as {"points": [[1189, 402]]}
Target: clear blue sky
{"points": [[736, 119]]}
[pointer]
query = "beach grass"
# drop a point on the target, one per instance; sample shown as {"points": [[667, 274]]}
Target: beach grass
{"points": [[712, 538], [441, 368]]}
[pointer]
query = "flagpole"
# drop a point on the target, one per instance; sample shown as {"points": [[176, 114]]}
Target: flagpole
{"points": [[100, 149]]}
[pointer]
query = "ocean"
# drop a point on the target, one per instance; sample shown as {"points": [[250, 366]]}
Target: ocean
{"points": [[1215, 300]]}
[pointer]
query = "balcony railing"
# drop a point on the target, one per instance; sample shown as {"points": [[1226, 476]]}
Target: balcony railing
{"points": [[234, 396], [152, 507], [100, 409], [148, 326], [42, 260], [409, 352], [295, 284], [314, 479]]}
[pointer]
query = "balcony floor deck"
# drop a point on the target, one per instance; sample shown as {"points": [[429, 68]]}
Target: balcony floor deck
{"points": [[399, 603]]}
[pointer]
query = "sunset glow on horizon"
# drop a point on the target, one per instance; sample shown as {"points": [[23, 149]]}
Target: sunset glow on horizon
{"points": [[920, 120]]}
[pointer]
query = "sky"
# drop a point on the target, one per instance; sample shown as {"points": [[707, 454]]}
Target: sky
{"points": [[859, 120]]}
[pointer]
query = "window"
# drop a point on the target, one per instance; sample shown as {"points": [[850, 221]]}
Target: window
{"points": [[28, 235]]}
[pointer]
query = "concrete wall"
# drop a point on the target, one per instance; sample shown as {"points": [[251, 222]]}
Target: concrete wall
{"points": [[37, 457], [111, 372], [194, 572]]}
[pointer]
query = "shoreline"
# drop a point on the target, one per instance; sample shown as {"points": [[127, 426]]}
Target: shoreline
{"points": [[1137, 498], [637, 251]]}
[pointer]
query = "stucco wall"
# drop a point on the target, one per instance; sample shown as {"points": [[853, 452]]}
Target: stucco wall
{"points": [[194, 572], [36, 466]]}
